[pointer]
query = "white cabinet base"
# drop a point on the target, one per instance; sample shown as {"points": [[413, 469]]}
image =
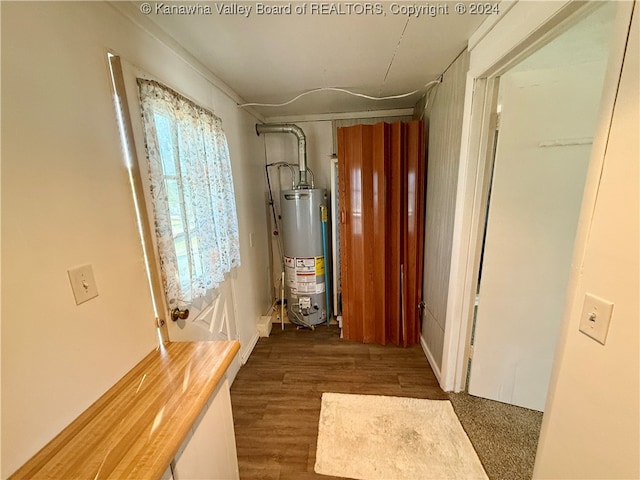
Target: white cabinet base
{"points": [[210, 450]]}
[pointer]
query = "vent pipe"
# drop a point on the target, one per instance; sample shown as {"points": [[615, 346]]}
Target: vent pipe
{"points": [[302, 145]]}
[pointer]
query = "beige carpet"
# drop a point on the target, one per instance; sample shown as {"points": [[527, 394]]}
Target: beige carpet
{"points": [[370, 437], [505, 436]]}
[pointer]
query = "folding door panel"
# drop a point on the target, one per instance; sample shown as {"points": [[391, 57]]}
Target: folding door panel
{"points": [[350, 145], [413, 135], [359, 269], [395, 227], [381, 197], [378, 248], [363, 319]]}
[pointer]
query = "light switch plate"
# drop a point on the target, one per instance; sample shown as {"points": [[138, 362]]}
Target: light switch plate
{"points": [[595, 318], [83, 283]]}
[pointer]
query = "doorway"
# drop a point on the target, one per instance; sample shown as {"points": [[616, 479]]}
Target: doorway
{"points": [[546, 111], [209, 317]]}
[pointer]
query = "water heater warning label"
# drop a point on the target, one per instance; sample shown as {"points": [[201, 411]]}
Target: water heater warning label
{"points": [[300, 274], [305, 265]]}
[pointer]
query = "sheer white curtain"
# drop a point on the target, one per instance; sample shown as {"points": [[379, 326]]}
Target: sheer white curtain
{"points": [[192, 192]]}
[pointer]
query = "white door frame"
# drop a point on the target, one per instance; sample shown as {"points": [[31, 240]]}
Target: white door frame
{"points": [[499, 43]]}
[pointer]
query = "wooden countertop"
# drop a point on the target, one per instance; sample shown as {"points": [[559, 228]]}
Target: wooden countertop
{"points": [[135, 429]]}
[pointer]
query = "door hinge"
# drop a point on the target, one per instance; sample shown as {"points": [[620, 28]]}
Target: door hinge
{"points": [[470, 352]]}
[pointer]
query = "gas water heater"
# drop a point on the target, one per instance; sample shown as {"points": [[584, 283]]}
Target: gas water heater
{"points": [[304, 260], [304, 238]]}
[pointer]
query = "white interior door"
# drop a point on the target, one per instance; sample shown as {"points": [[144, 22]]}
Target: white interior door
{"points": [[212, 317], [547, 121]]}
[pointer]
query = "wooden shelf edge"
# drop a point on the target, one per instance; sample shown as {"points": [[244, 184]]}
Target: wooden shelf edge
{"points": [[136, 428]]}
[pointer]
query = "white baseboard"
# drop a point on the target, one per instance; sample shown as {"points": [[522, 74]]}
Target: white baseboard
{"points": [[429, 355], [233, 369], [245, 353], [264, 326]]}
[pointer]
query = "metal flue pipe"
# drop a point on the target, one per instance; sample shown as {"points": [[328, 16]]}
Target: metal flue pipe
{"points": [[302, 145]]}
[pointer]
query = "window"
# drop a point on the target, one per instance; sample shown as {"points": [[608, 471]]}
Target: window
{"points": [[192, 193]]}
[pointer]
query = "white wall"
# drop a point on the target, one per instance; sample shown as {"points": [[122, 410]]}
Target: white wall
{"points": [[66, 201], [591, 425], [444, 129]]}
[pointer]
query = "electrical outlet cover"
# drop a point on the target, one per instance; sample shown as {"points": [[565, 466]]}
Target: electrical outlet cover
{"points": [[83, 283], [595, 318]]}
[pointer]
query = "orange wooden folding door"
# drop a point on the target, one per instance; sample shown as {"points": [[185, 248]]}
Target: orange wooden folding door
{"points": [[381, 193]]}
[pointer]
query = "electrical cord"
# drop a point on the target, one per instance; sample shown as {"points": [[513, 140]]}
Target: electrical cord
{"points": [[273, 209], [271, 203], [342, 90]]}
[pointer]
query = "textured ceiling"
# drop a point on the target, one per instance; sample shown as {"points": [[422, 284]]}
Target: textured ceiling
{"points": [[271, 58]]}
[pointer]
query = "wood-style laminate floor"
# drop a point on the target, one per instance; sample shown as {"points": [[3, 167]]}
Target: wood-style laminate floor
{"points": [[276, 396]]}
